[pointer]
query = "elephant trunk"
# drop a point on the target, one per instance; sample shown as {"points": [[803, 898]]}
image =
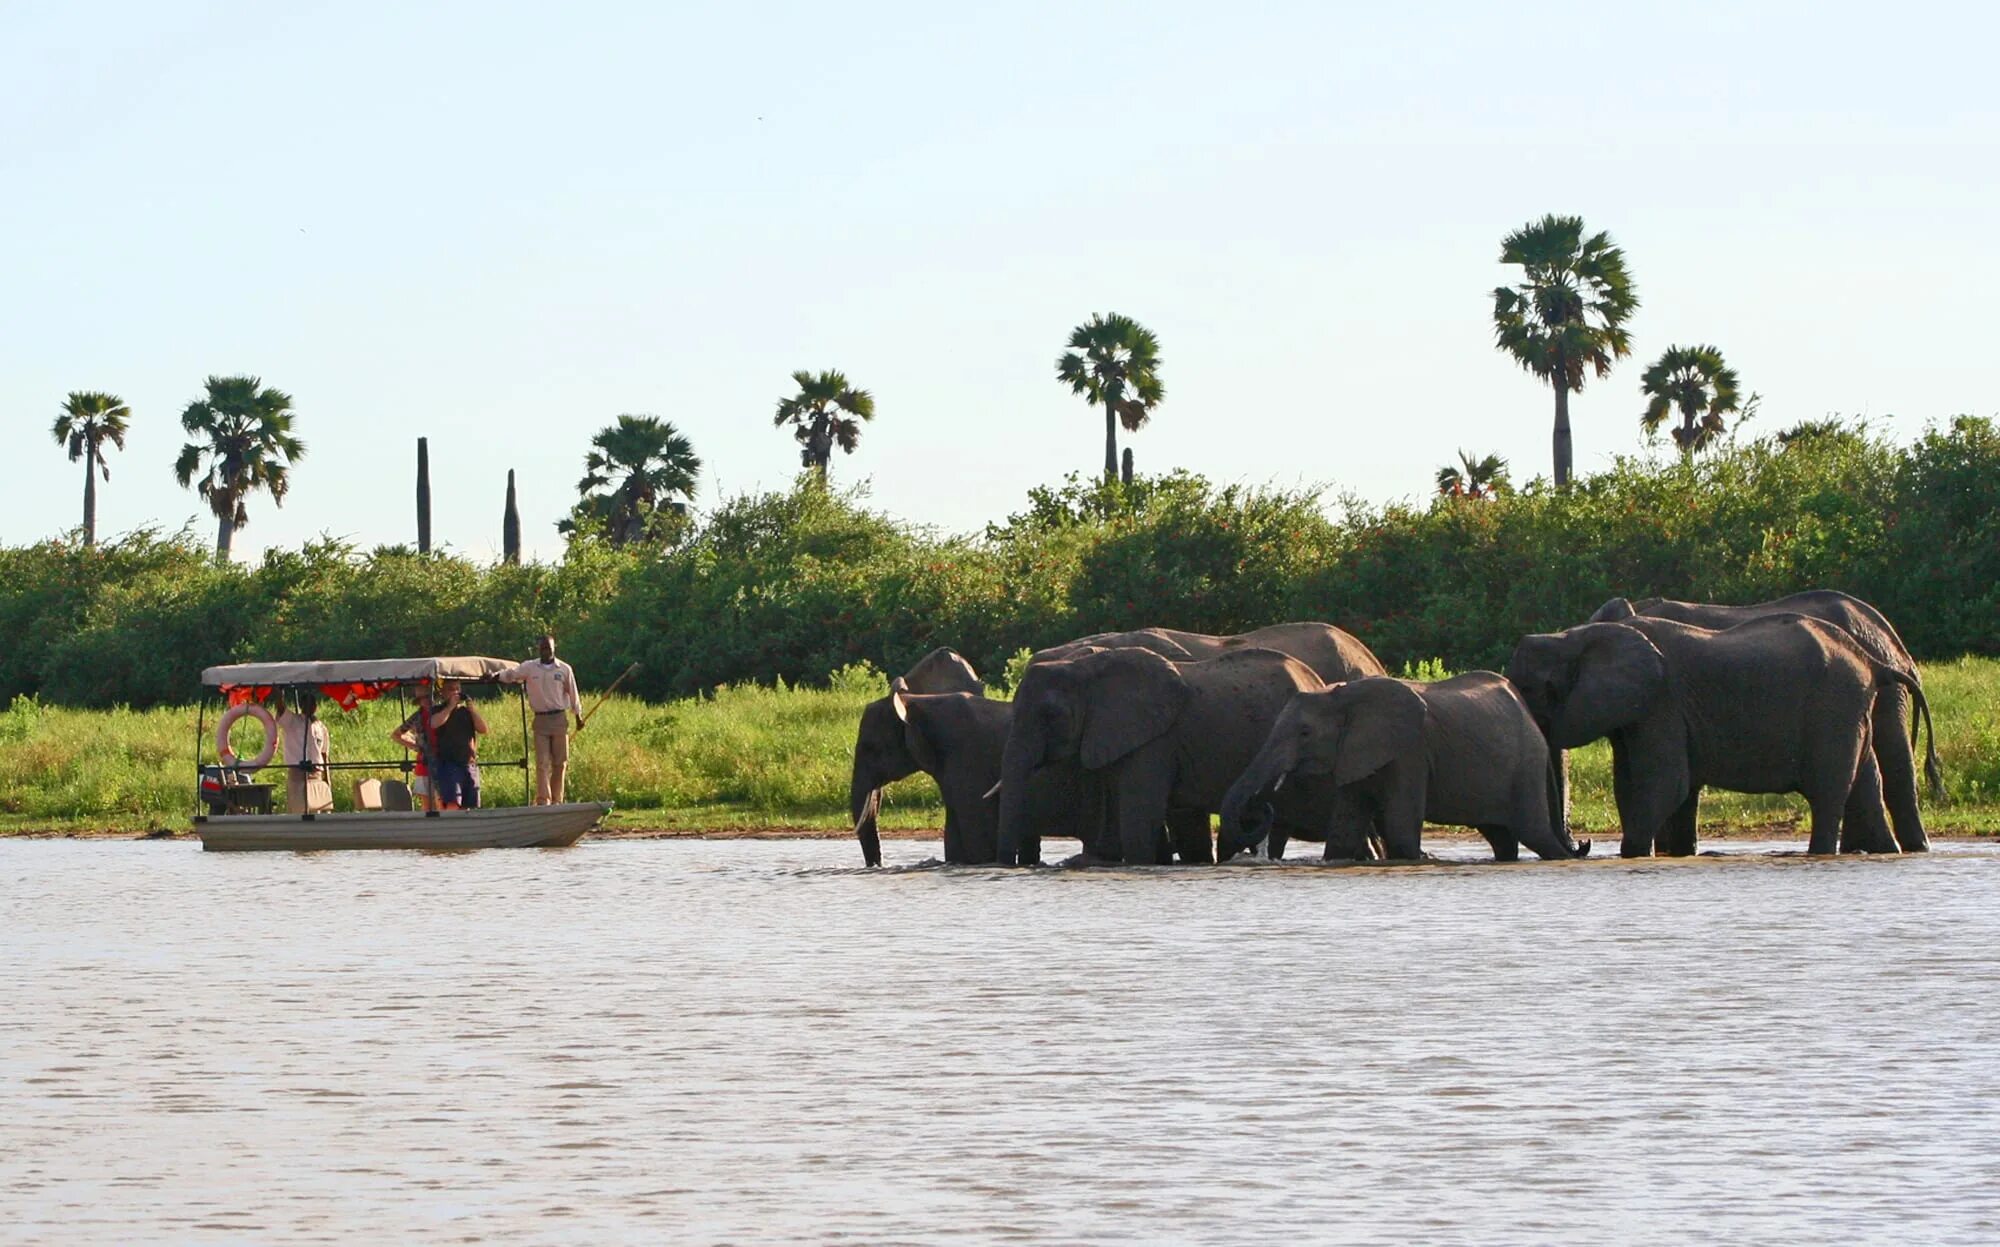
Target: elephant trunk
{"points": [[864, 801], [1268, 769], [1017, 763]]}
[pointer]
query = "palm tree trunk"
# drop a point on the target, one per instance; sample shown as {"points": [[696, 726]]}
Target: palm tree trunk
{"points": [[510, 526], [224, 530], [1114, 394], [1564, 451], [423, 495], [89, 493], [821, 447]]}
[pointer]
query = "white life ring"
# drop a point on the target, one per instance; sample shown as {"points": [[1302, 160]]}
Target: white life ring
{"points": [[225, 754]]}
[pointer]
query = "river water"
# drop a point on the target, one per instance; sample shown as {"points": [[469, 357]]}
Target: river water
{"points": [[743, 1042]]}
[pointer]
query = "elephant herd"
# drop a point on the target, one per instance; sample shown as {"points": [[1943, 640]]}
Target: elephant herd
{"points": [[1129, 742]]}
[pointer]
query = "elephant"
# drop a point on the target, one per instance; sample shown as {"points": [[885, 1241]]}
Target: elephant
{"points": [[1463, 751], [1892, 711], [1780, 704], [1163, 736], [943, 671], [1332, 654], [957, 739]]}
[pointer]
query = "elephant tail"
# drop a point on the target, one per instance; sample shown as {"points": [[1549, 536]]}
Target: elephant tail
{"points": [[1933, 770]]}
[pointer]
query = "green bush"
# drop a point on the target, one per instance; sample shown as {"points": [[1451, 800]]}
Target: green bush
{"points": [[795, 586]]}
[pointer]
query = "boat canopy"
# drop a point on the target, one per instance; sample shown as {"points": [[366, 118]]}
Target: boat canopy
{"points": [[374, 671]]}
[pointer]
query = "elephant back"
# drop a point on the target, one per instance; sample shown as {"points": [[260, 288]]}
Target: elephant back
{"points": [[1868, 626], [1332, 653], [943, 671]]}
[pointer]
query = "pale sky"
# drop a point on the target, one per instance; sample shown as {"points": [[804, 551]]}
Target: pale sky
{"points": [[501, 225]]}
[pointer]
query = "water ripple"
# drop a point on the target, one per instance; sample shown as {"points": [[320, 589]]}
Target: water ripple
{"points": [[757, 1042]]}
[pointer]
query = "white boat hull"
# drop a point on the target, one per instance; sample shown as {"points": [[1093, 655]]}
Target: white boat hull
{"points": [[503, 827]]}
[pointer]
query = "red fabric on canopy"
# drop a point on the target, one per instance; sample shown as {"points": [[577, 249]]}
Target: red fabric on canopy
{"points": [[347, 696]]}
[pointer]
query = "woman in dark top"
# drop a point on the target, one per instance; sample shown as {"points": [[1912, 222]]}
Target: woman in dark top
{"points": [[459, 726]]}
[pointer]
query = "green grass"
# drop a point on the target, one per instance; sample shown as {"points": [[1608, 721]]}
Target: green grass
{"points": [[757, 757]]}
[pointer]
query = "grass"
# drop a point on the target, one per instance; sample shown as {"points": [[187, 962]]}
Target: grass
{"points": [[759, 758]]}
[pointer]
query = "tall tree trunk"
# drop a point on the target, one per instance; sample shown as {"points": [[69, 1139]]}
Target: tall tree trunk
{"points": [[1125, 467], [423, 495], [510, 527], [820, 449], [89, 493], [1563, 449], [225, 529], [1110, 441]]}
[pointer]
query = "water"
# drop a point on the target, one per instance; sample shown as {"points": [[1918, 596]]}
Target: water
{"points": [[746, 1043]]}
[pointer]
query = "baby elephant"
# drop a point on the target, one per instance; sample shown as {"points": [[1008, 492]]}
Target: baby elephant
{"points": [[1463, 751]]}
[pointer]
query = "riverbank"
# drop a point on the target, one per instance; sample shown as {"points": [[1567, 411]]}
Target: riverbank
{"points": [[764, 762]]}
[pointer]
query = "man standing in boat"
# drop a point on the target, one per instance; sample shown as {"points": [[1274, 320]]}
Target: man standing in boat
{"points": [[307, 750], [552, 695], [457, 725]]}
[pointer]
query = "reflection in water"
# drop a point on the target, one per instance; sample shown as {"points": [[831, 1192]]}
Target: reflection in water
{"points": [[748, 1042]]}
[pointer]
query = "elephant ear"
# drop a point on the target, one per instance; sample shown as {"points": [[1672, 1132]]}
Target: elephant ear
{"points": [[1613, 611], [916, 733], [1381, 720], [1129, 697], [1619, 673]]}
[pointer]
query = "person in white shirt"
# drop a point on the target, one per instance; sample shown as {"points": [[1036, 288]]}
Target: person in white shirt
{"points": [[552, 695], [307, 750]]}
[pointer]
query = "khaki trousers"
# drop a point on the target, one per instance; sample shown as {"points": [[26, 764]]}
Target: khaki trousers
{"points": [[306, 794], [551, 757]]}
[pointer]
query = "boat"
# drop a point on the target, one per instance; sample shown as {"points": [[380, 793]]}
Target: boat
{"points": [[502, 827], [238, 815]]}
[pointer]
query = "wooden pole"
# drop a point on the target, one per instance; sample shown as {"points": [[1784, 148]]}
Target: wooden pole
{"points": [[609, 691]]}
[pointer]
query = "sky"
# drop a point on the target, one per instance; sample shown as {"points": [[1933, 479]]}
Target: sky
{"points": [[501, 225]]}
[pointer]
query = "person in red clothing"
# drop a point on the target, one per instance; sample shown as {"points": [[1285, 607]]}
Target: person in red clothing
{"points": [[417, 734]]}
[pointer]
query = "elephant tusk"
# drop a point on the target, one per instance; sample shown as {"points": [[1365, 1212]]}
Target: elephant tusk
{"points": [[994, 791], [1281, 781]]}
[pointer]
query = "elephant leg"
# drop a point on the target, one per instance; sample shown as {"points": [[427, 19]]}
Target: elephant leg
{"points": [[1193, 840], [1350, 829], [1898, 763], [1864, 823], [1647, 797], [1678, 839], [1834, 771], [1402, 814], [1506, 846], [1141, 788]]}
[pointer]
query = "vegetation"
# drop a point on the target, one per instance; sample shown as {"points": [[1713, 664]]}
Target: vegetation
{"points": [[793, 586], [1113, 362], [1695, 384], [826, 412], [1473, 478], [1566, 314], [245, 444], [754, 756], [89, 420], [639, 480]]}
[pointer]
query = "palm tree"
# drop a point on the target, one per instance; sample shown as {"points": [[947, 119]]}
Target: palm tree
{"points": [[246, 440], [1479, 478], [1118, 370], [1693, 381], [650, 469], [1567, 313], [89, 420], [826, 412]]}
